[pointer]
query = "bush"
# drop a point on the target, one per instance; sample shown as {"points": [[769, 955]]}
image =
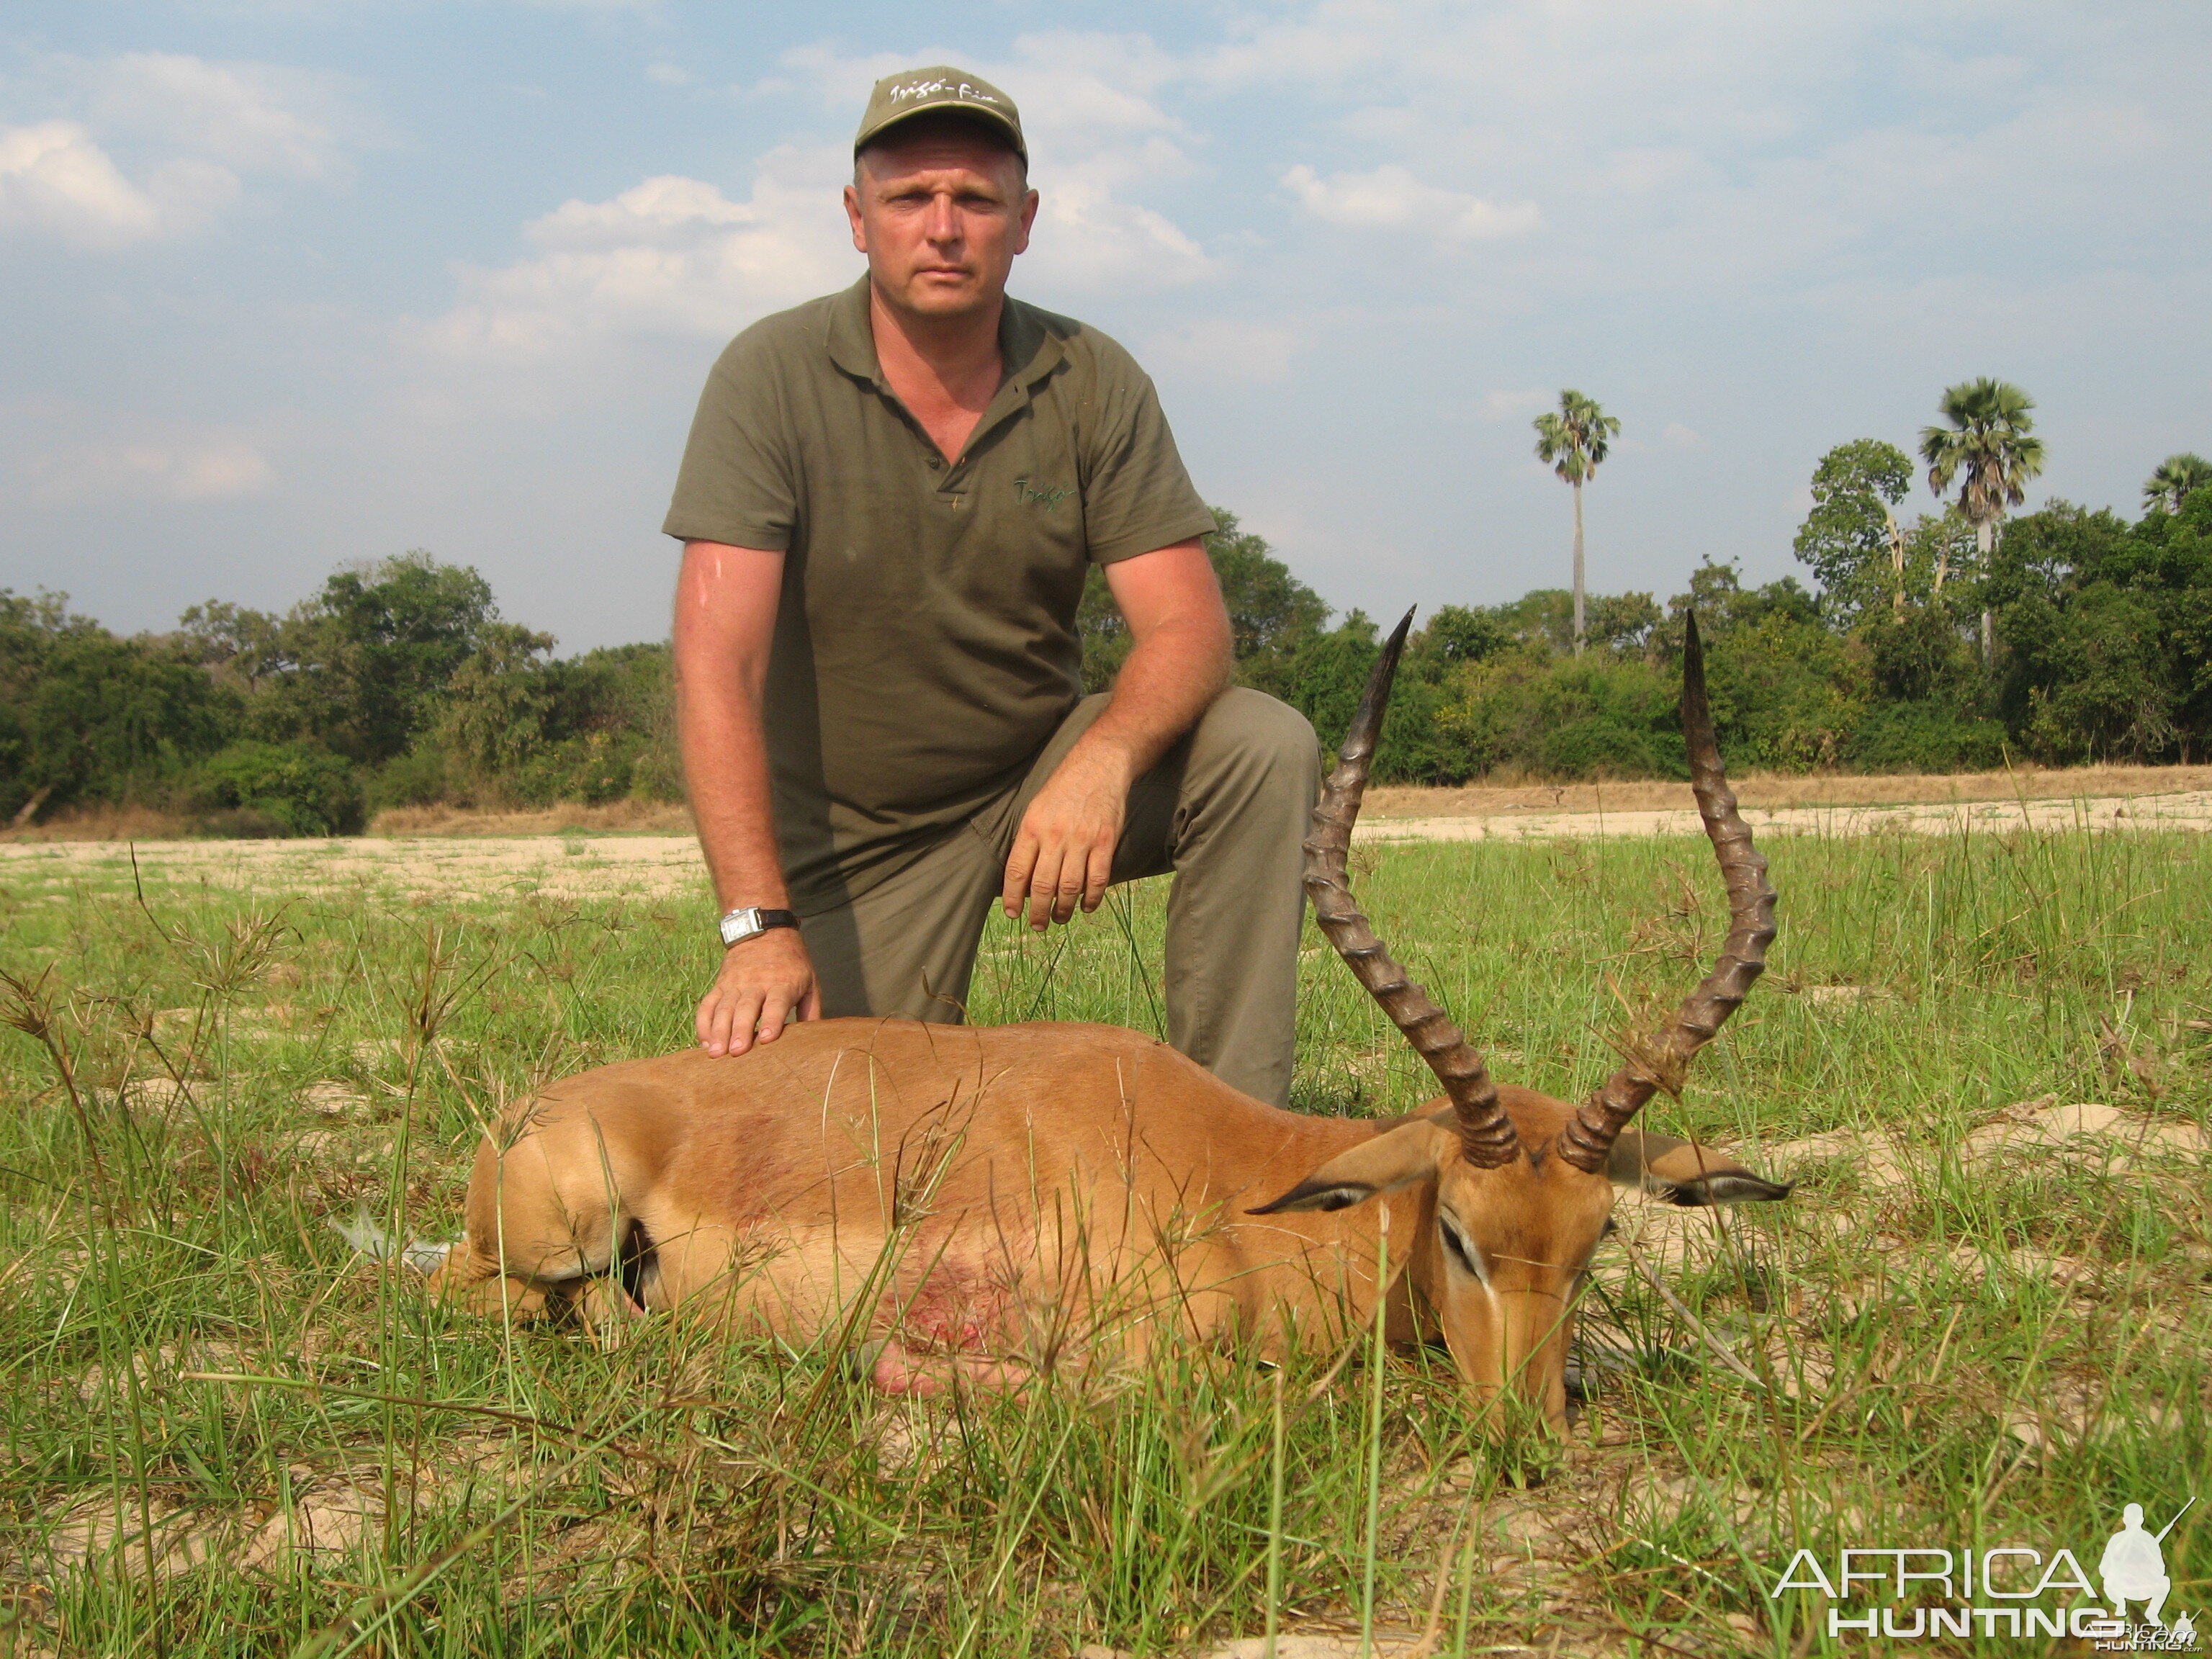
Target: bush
{"points": [[1592, 717], [298, 789], [1925, 736], [115, 719], [658, 773], [417, 778], [594, 767]]}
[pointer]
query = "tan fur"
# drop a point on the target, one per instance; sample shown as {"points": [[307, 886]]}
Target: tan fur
{"points": [[1006, 1197]]}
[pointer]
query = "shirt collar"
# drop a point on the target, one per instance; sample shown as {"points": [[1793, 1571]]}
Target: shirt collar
{"points": [[1029, 349], [852, 341]]}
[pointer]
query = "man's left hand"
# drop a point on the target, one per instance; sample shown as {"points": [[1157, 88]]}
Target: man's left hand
{"points": [[1063, 853]]}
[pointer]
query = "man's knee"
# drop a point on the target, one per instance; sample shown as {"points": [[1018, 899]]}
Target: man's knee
{"points": [[1262, 736]]}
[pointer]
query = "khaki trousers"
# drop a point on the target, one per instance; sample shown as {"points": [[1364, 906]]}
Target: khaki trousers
{"points": [[1224, 810]]}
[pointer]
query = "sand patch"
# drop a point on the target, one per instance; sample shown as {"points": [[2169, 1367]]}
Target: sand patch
{"points": [[331, 1098], [2087, 1128], [1845, 996], [1291, 1645], [1770, 789], [329, 1516], [501, 868], [1326, 1646], [2089, 1131], [2188, 811], [505, 867]]}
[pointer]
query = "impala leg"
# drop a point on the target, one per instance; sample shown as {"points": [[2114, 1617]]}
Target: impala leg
{"points": [[605, 1310], [478, 1286], [543, 1215], [893, 1368]]}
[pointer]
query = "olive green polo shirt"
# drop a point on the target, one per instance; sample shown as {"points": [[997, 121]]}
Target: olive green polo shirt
{"points": [[924, 645]]}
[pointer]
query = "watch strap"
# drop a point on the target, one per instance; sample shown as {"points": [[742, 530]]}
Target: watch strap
{"points": [[749, 921]]}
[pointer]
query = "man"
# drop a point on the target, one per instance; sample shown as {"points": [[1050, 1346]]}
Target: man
{"points": [[2134, 1568], [888, 504]]}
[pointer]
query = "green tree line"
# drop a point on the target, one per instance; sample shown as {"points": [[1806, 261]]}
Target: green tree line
{"points": [[1939, 645], [397, 685]]}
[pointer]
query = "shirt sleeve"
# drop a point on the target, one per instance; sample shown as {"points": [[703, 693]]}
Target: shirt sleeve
{"points": [[1137, 498], [736, 485]]}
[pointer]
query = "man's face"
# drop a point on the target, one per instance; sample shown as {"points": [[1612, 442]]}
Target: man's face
{"points": [[940, 215]]}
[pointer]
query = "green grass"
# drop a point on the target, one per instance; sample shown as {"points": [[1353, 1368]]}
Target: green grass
{"points": [[2004, 1353]]}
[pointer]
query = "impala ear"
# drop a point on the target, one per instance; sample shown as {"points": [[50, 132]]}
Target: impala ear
{"points": [[1397, 1158], [1684, 1173]]}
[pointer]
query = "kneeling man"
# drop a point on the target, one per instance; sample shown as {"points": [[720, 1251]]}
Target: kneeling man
{"points": [[889, 504]]}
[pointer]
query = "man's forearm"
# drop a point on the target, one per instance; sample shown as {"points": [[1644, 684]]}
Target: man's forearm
{"points": [[726, 605], [725, 771], [1169, 680], [725, 600]]}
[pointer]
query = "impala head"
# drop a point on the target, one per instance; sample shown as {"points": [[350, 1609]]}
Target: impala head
{"points": [[1523, 1183]]}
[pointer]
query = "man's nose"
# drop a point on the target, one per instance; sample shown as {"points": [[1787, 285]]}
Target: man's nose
{"points": [[942, 223]]}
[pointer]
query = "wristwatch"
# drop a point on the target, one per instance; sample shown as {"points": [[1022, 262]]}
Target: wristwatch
{"points": [[745, 923]]}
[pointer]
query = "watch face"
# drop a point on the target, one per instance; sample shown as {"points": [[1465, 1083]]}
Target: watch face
{"points": [[739, 924]]}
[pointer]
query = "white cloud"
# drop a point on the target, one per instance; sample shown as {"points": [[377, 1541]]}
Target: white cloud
{"points": [[186, 470], [669, 75], [241, 115], [54, 179], [1730, 145], [1224, 350], [52, 176], [1675, 435], [188, 129], [1391, 198], [670, 256], [1088, 241]]}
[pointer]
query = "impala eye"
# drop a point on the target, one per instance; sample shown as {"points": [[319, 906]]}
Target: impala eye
{"points": [[1459, 1250]]}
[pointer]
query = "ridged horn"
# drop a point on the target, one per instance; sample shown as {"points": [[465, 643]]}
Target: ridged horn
{"points": [[1485, 1133], [1599, 1120]]}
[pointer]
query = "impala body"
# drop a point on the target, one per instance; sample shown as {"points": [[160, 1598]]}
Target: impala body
{"points": [[955, 1202]]}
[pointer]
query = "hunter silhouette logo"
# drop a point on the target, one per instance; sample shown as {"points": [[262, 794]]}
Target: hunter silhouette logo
{"points": [[2010, 1590], [2133, 1568]]}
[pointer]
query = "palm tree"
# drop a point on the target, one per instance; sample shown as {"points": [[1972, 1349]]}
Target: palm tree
{"points": [[1573, 441], [2176, 476], [1990, 448]]}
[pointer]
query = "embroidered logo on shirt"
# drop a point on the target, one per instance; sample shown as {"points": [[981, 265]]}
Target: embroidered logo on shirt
{"points": [[1043, 496]]}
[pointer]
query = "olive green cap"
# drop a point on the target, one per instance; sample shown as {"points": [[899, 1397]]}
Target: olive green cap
{"points": [[939, 87]]}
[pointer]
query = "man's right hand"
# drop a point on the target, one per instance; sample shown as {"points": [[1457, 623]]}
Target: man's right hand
{"points": [[767, 982]]}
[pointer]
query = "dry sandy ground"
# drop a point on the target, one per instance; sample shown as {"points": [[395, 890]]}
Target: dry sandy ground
{"points": [[2188, 810], [1777, 789], [1498, 801], [655, 865], [479, 866]]}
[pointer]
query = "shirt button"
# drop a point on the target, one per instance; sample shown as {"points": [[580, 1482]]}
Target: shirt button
{"points": [[935, 465]]}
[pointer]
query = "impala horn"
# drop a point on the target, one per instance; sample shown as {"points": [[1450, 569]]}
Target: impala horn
{"points": [[1661, 1063], [1486, 1134]]}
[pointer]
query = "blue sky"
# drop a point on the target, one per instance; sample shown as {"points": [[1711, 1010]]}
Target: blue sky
{"points": [[297, 282]]}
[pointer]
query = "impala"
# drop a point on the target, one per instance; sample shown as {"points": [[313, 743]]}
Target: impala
{"points": [[953, 1203]]}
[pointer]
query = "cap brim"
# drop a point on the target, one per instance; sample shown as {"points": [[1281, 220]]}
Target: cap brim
{"points": [[999, 125]]}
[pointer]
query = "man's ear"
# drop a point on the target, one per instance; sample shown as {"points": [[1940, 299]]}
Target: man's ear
{"points": [[1685, 1174], [1397, 1158]]}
